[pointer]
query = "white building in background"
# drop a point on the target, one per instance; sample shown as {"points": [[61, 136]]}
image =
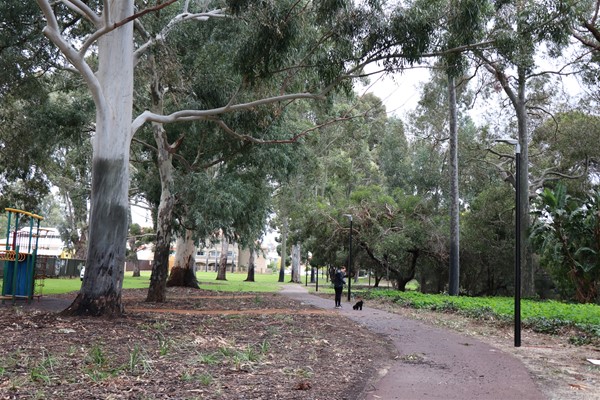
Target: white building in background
{"points": [[237, 259], [49, 243], [210, 255]]}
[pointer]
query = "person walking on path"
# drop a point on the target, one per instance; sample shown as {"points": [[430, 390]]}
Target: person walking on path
{"points": [[338, 285]]}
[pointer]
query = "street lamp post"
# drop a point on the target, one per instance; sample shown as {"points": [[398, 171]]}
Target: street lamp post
{"points": [[349, 257], [515, 143]]}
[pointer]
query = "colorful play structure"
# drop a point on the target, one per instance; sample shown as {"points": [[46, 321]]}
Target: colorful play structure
{"points": [[21, 280]]}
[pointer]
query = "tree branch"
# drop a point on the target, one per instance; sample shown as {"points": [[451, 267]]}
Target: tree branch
{"points": [[180, 18], [52, 31], [82, 9], [197, 115]]}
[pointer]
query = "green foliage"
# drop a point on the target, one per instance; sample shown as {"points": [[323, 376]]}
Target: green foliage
{"points": [[567, 235], [541, 316], [568, 141], [487, 239], [520, 28]]}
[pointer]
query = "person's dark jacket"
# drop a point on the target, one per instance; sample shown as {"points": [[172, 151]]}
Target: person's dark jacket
{"points": [[338, 279]]}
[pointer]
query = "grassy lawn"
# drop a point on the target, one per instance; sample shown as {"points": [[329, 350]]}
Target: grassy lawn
{"points": [[541, 315], [234, 283], [544, 316]]}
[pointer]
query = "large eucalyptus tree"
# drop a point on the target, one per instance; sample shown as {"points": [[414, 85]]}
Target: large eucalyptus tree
{"points": [[521, 31], [287, 37]]}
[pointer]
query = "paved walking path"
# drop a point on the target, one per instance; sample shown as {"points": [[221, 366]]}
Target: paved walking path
{"points": [[434, 363]]}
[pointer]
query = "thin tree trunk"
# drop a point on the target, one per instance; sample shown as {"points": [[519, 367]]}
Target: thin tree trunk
{"points": [[454, 198], [100, 292], [182, 274], [296, 263], [527, 275], [133, 258], [283, 250], [251, 266], [157, 292], [222, 274]]}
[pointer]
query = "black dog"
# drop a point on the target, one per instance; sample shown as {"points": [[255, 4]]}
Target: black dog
{"points": [[358, 305]]}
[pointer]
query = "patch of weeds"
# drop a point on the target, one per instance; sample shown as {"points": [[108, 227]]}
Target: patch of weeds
{"points": [[138, 360], [209, 359], [97, 375], [15, 359], [591, 330], [298, 372], [96, 356], [403, 302], [238, 360], [581, 339], [186, 377], [16, 383], [39, 394], [551, 326], [445, 306], [39, 374], [251, 355], [413, 358], [205, 379], [72, 351], [44, 370], [164, 344], [227, 351], [287, 319], [258, 300], [480, 313], [273, 330], [156, 325], [264, 346]]}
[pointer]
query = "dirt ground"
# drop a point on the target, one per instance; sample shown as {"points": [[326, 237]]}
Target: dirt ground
{"points": [[560, 369], [198, 345], [207, 345]]}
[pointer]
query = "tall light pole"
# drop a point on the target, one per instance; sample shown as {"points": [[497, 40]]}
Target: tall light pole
{"points": [[349, 257], [515, 143]]}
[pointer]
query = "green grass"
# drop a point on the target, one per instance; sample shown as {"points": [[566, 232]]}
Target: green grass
{"points": [[543, 316], [234, 283]]}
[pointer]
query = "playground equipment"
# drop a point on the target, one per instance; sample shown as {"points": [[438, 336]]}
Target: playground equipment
{"points": [[20, 255]]}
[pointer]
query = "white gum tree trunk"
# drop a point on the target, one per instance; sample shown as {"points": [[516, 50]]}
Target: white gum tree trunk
{"points": [[222, 274], [113, 93], [183, 272]]}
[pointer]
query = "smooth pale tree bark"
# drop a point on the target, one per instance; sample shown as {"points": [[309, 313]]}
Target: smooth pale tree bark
{"points": [[453, 287], [519, 102], [296, 263], [112, 89], [284, 233], [222, 274], [133, 258], [251, 266], [183, 271], [164, 160]]}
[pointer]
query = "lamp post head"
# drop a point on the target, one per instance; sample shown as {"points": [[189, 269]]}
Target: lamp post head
{"points": [[348, 215], [513, 142]]}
